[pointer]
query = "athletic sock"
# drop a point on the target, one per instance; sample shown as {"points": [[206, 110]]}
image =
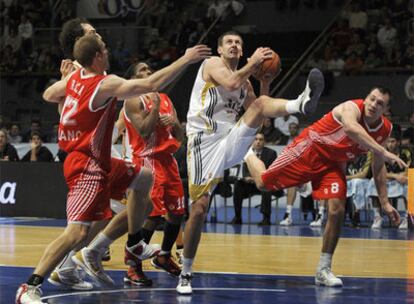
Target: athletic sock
{"points": [[100, 243], [321, 211], [292, 105], [147, 235], [187, 265], [289, 209], [376, 212], [35, 280], [325, 260], [170, 235], [134, 239], [67, 261]]}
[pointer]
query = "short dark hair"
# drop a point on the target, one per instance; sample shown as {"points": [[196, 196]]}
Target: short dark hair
{"points": [[395, 133], [383, 90], [86, 48], [132, 69], [36, 133], [71, 31], [220, 39]]}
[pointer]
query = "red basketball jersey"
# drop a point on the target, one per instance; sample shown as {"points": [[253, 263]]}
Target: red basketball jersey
{"points": [[83, 128], [330, 140], [161, 140]]}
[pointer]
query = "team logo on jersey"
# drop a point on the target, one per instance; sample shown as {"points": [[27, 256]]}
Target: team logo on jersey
{"points": [[379, 138]]}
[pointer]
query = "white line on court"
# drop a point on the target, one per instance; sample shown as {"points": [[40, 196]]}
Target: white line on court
{"points": [[160, 289]]}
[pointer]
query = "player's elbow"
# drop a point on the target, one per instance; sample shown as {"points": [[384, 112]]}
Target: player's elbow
{"points": [[48, 96]]}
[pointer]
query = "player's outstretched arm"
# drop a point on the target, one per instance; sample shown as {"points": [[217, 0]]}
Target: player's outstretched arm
{"points": [[121, 88], [348, 114]]}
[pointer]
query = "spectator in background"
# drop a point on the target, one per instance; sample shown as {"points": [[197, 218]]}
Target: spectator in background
{"points": [[317, 61], [25, 30], [356, 45], [387, 37], [246, 187], [372, 61], [7, 151], [37, 152], [408, 56], [409, 132], [34, 127], [52, 137], [14, 40], [358, 19], [8, 60], [336, 64], [373, 45], [271, 134], [14, 136], [218, 7], [15, 11], [282, 123], [120, 56], [353, 64], [342, 34], [293, 132]]}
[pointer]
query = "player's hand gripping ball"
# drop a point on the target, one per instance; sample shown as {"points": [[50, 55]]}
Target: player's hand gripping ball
{"points": [[269, 68]]}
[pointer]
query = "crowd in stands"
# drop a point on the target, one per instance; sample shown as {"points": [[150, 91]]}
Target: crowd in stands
{"points": [[371, 34]]}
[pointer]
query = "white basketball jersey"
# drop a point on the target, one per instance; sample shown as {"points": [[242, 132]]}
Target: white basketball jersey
{"points": [[212, 108]]}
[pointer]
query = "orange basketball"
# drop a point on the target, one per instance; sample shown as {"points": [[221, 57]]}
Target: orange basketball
{"points": [[270, 66]]}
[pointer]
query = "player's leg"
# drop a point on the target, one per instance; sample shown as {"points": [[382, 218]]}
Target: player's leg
{"points": [[74, 234], [66, 273], [171, 230], [135, 274], [192, 232], [330, 185], [179, 247], [290, 199], [305, 103]]}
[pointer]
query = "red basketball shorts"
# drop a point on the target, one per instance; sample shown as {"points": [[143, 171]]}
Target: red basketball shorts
{"points": [[90, 186], [167, 192], [299, 163]]}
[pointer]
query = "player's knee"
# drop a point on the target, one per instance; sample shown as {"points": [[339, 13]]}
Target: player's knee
{"points": [[143, 181], [199, 211], [174, 219], [337, 208], [258, 104]]}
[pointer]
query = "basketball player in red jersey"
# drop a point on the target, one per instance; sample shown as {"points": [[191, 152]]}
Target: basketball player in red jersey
{"points": [[319, 155], [85, 130], [154, 134]]}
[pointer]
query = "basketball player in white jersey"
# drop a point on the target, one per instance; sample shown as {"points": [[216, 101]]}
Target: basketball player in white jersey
{"points": [[216, 140]]}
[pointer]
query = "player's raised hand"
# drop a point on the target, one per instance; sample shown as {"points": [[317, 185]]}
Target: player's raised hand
{"points": [[392, 213], [66, 67], [197, 53], [261, 54]]}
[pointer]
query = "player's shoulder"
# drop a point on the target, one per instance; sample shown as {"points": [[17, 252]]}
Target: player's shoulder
{"points": [[213, 61]]}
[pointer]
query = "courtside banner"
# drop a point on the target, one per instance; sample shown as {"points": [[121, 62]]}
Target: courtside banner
{"points": [[410, 198], [32, 189]]}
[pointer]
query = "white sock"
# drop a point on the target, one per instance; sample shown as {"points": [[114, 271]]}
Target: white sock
{"points": [[292, 105], [377, 212], [289, 209], [100, 243], [162, 252], [321, 211], [325, 260], [187, 266], [67, 261]]}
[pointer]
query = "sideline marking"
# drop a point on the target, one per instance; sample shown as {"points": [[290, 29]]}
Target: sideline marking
{"points": [[160, 289]]}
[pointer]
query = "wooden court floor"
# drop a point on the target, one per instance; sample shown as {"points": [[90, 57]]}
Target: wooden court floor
{"points": [[252, 254], [235, 264]]}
